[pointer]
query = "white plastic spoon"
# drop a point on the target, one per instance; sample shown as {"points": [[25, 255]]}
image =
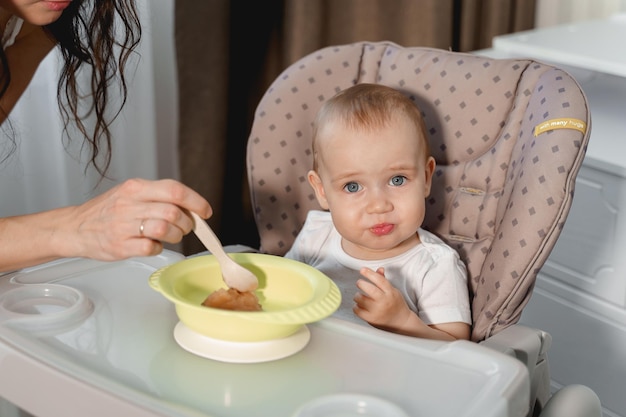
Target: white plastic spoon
{"points": [[234, 275]]}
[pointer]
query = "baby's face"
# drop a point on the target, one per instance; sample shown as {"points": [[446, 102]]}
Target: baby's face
{"points": [[375, 184]]}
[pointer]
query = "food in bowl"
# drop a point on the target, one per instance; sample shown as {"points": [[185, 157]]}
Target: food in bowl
{"points": [[233, 299]]}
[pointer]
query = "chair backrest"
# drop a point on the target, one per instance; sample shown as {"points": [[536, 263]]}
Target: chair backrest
{"points": [[501, 191]]}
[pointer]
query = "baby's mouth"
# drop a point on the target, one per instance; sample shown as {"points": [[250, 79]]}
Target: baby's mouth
{"points": [[382, 229]]}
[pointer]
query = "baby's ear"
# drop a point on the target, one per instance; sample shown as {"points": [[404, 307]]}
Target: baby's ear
{"points": [[318, 187], [429, 169]]}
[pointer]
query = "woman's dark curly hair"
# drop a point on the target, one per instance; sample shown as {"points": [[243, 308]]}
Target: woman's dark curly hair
{"points": [[101, 34]]}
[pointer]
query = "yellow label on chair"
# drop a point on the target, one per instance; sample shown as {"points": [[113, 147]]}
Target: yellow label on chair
{"points": [[564, 123]]}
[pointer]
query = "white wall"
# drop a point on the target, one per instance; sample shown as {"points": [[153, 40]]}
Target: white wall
{"points": [[43, 175]]}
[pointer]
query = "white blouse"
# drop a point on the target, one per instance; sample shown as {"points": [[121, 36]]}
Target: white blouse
{"points": [[13, 27]]}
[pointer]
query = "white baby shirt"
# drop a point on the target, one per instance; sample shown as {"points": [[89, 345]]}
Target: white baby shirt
{"points": [[431, 276]]}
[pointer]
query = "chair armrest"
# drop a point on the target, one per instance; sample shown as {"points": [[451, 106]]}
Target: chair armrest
{"points": [[530, 346], [527, 344]]}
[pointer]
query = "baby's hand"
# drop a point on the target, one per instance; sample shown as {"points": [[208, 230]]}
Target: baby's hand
{"points": [[380, 303]]}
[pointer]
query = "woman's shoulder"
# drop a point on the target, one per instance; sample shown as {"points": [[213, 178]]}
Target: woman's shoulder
{"points": [[24, 54]]}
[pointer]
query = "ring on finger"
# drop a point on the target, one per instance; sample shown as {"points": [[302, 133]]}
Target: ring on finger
{"points": [[142, 227]]}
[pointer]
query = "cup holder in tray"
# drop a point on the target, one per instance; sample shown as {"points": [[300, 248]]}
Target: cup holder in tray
{"points": [[44, 308]]}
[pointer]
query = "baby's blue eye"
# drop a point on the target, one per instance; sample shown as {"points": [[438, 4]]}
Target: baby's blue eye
{"points": [[397, 180], [352, 187]]}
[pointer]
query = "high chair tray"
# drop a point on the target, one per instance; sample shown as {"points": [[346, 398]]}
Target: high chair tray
{"points": [[80, 337]]}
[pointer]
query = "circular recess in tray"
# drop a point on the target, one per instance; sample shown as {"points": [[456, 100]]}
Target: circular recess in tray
{"points": [[350, 405], [44, 308]]}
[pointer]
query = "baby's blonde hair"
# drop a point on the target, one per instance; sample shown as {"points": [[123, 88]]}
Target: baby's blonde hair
{"points": [[368, 106]]}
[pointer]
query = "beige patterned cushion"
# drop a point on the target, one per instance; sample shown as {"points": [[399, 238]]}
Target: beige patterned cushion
{"points": [[500, 195]]}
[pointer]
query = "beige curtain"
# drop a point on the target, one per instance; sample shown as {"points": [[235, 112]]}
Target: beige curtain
{"points": [[228, 52]]}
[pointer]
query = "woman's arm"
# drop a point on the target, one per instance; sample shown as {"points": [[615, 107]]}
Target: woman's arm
{"points": [[131, 219]]}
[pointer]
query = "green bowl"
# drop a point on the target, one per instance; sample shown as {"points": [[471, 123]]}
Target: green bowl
{"points": [[291, 294]]}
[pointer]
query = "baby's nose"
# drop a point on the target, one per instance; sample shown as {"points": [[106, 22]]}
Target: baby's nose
{"points": [[379, 202]]}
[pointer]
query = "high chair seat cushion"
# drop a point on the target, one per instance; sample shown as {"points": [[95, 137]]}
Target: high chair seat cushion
{"points": [[500, 193]]}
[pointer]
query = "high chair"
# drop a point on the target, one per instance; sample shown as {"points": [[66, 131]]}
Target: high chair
{"points": [[508, 137]]}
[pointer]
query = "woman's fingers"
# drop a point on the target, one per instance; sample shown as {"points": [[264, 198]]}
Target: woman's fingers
{"points": [[136, 217], [163, 230], [166, 191]]}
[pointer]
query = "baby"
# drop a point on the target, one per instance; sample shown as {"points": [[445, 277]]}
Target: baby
{"points": [[371, 174]]}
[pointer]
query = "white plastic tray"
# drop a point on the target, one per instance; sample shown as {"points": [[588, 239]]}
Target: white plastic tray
{"points": [[110, 350]]}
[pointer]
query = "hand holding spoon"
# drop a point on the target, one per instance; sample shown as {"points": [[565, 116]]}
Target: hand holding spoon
{"points": [[234, 275]]}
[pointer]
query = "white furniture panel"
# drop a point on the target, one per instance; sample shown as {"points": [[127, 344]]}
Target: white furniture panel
{"points": [[588, 255], [581, 45], [580, 295]]}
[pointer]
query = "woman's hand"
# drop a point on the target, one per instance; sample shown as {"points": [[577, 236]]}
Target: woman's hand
{"points": [[132, 219]]}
